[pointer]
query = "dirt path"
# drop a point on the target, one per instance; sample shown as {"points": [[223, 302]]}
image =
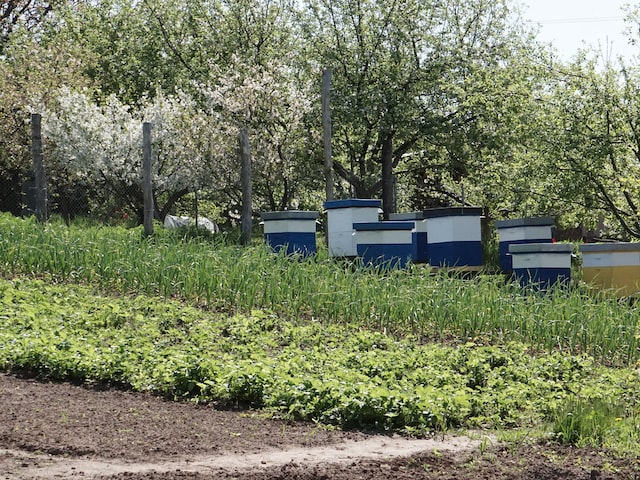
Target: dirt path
{"points": [[62, 431], [375, 448]]}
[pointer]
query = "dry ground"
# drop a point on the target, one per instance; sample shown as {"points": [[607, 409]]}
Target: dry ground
{"points": [[64, 431]]}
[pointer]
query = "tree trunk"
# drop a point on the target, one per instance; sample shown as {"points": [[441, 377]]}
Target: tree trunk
{"points": [[326, 133], [38, 168], [388, 194]]}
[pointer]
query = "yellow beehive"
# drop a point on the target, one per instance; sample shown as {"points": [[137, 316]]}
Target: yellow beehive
{"points": [[612, 266]]}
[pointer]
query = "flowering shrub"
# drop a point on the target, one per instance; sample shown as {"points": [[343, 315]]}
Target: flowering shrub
{"points": [[192, 148], [103, 143], [275, 107]]}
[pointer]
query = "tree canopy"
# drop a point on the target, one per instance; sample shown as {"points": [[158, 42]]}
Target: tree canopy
{"points": [[433, 103]]}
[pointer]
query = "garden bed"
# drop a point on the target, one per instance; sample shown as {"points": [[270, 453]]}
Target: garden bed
{"points": [[59, 430]]}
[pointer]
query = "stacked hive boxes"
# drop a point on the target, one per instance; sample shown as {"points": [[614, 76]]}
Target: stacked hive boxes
{"points": [[541, 265], [454, 237], [419, 251], [520, 231], [384, 244], [294, 231], [341, 215]]}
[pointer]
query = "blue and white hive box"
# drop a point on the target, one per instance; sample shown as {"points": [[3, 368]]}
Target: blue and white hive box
{"points": [[384, 244], [454, 237], [294, 230], [419, 253], [541, 265], [521, 230], [341, 215]]}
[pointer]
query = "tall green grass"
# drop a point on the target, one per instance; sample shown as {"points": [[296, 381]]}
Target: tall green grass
{"points": [[414, 301]]}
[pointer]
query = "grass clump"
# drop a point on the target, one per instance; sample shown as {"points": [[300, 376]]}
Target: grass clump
{"points": [[583, 422], [597, 422]]}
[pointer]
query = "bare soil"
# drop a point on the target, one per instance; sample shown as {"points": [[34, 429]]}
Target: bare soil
{"points": [[64, 431]]}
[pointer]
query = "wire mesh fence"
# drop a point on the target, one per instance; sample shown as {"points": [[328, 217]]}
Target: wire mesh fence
{"points": [[51, 191], [68, 199]]}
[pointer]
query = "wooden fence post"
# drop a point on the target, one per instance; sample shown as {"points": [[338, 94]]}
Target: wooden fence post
{"points": [[38, 168], [245, 180], [326, 133], [147, 187]]}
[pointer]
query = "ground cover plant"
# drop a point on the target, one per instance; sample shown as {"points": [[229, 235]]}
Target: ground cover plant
{"points": [[339, 375], [316, 339]]}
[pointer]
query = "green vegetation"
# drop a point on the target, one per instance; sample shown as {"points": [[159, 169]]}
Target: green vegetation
{"points": [[340, 375], [315, 339], [485, 309], [589, 421]]}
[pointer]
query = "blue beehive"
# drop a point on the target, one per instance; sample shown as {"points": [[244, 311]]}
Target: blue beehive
{"points": [[341, 215], [293, 230], [419, 252], [521, 230], [455, 237], [541, 265], [384, 244]]}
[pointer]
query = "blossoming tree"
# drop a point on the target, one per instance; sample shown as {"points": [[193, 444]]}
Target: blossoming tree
{"points": [[102, 144]]}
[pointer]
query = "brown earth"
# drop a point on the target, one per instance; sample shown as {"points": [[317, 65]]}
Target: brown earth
{"points": [[63, 431]]}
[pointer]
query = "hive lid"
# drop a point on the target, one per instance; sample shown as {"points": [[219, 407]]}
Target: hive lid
{"points": [[453, 212], [541, 248], [609, 247], [524, 222], [352, 202], [360, 226], [407, 216], [290, 215]]}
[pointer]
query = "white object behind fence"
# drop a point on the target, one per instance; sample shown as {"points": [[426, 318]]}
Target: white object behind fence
{"points": [[172, 221]]}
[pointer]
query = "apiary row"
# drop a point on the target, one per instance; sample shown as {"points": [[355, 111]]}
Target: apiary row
{"points": [[451, 237]]}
